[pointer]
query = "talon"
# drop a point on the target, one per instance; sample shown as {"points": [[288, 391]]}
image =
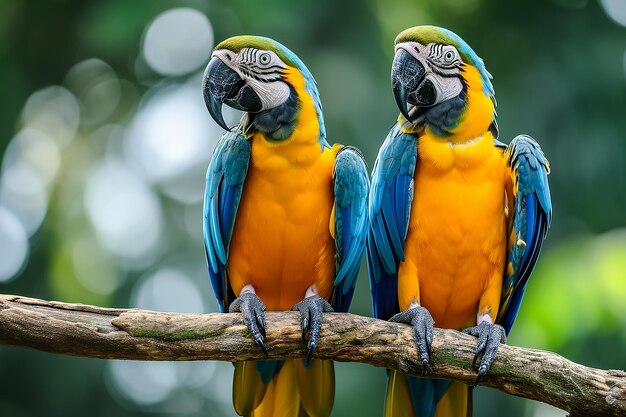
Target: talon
{"points": [[482, 371], [476, 356], [260, 319], [309, 354], [311, 309], [253, 311], [489, 338], [423, 327], [261, 343], [305, 327]]}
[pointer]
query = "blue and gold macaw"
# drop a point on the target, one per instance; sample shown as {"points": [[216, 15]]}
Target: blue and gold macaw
{"points": [[285, 217], [456, 218]]}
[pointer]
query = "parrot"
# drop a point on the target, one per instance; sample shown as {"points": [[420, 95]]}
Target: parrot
{"points": [[456, 217], [285, 218]]}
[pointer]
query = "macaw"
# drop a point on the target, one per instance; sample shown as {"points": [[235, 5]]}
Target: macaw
{"points": [[456, 218], [285, 218]]}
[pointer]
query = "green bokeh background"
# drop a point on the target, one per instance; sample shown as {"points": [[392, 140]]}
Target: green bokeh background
{"points": [[559, 72]]}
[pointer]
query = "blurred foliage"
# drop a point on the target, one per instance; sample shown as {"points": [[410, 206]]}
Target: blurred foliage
{"points": [[122, 202]]}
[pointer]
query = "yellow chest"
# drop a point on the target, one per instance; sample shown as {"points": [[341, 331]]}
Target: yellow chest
{"points": [[457, 229], [281, 242]]}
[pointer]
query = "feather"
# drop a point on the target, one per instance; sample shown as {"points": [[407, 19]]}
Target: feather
{"points": [[390, 201], [531, 220], [351, 187], [224, 184]]}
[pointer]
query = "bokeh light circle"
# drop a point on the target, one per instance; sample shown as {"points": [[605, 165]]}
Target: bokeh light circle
{"points": [[172, 138], [178, 41], [13, 244], [168, 289], [98, 90], [29, 167], [616, 9], [172, 133], [144, 382], [124, 211], [55, 111]]}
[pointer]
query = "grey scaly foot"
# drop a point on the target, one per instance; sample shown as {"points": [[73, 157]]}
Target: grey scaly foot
{"points": [[253, 311], [489, 338], [311, 309], [423, 326]]}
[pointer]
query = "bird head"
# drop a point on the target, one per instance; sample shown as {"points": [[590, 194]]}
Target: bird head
{"points": [[440, 83], [265, 80]]}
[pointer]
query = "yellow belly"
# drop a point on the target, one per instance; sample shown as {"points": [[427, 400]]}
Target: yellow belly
{"points": [[456, 241], [281, 241]]}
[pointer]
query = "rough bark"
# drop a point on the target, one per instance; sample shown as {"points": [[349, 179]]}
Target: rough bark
{"points": [[82, 330]]}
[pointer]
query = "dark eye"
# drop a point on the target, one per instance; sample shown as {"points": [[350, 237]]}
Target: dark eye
{"points": [[448, 56], [265, 58]]}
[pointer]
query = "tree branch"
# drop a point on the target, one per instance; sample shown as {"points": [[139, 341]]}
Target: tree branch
{"points": [[82, 330]]}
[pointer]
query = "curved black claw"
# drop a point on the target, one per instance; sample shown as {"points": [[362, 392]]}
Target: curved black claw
{"points": [[253, 311], [423, 327], [311, 309], [489, 338]]}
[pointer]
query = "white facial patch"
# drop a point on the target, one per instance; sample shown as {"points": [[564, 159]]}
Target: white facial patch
{"points": [[272, 94], [447, 87]]}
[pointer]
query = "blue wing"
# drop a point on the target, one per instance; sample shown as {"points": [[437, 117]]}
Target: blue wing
{"points": [[531, 219], [224, 184], [351, 185], [389, 209]]}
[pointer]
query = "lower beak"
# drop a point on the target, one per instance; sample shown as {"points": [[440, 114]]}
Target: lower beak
{"points": [[409, 85], [221, 84]]}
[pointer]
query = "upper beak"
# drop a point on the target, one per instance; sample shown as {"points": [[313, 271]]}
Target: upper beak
{"points": [[221, 84], [408, 84]]}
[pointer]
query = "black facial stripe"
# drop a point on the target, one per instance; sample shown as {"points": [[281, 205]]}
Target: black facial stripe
{"points": [[249, 56], [265, 73], [435, 51], [274, 76], [273, 68], [441, 73], [261, 75]]}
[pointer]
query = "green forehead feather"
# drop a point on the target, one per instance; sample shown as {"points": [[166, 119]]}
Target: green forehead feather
{"points": [[237, 43]]}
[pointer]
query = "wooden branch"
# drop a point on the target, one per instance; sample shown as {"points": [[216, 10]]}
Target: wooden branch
{"points": [[82, 330]]}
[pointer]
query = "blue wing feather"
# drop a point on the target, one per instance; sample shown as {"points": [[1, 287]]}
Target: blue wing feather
{"points": [[224, 184], [351, 186], [390, 205], [402, 184], [392, 223], [217, 238], [531, 220]]}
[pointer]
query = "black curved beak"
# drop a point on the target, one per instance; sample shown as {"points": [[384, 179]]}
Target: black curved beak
{"points": [[221, 84], [408, 84]]}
